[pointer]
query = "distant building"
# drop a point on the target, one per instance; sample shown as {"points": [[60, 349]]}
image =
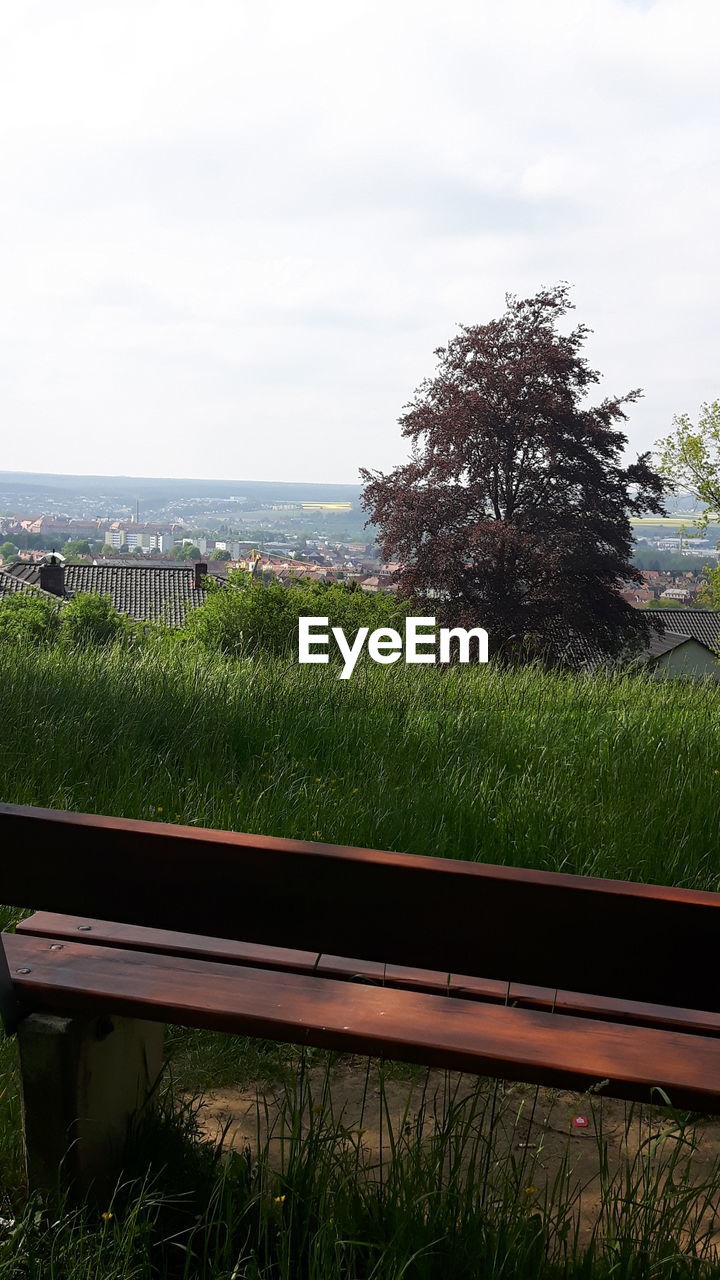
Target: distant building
{"points": [[637, 595], [673, 656], [675, 593], [233, 547], [684, 644], [143, 536]]}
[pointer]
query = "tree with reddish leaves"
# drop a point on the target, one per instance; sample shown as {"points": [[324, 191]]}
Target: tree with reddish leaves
{"points": [[513, 512]]}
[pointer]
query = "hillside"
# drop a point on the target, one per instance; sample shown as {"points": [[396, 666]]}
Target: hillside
{"points": [[615, 777]]}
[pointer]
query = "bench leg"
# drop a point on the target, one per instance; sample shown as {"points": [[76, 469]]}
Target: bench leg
{"points": [[83, 1079]]}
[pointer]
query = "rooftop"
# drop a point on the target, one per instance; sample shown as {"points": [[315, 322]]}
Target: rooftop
{"points": [[699, 624], [145, 593], [10, 584]]}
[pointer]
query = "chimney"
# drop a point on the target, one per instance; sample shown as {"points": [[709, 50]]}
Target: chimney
{"points": [[52, 577], [200, 572]]}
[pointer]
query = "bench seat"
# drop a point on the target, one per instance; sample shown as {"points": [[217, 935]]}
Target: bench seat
{"points": [[508, 972], [68, 928], [465, 1024]]}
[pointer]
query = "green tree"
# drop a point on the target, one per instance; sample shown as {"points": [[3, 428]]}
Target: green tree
{"points": [[248, 616], [666, 604], [28, 619], [690, 458], [76, 547], [708, 597], [219, 554], [667, 561], [8, 551], [31, 541], [92, 620]]}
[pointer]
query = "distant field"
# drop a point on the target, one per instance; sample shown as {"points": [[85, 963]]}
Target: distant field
{"points": [[327, 506], [664, 522]]}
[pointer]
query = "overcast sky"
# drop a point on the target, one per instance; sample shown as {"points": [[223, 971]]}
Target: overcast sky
{"points": [[233, 233]]}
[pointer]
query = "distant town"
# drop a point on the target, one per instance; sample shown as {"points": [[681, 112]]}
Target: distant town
{"points": [[285, 531], [282, 531]]}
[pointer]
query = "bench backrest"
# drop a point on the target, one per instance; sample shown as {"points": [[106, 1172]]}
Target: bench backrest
{"points": [[606, 937]]}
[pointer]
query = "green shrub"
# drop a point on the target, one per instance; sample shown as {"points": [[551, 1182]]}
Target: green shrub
{"points": [[28, 619], [91, 619], [248, 616]]}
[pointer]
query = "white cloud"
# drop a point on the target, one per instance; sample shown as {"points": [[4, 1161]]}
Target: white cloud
{"points": [[229, 224]]}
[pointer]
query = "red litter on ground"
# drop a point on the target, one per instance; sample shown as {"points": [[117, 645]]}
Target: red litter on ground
{"points": [[580, 1122]]}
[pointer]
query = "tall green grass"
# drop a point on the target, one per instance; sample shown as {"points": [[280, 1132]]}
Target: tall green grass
{"points": [[608, 776], [454, 1199], [611, 776]]}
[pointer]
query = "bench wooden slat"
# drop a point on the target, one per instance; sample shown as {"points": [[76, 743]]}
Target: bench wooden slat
{"points": [[643, 942], [459, 1034], [134, 937]]}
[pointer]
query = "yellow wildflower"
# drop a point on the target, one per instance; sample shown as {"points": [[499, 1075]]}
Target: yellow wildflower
{"points": [[279, 1199], [106, 1216]]}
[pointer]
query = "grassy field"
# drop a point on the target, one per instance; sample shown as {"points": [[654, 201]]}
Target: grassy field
{"points": [[613, 777], [664, 522]]}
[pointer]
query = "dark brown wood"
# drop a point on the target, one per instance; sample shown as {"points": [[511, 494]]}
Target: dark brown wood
{"points": [[64, 928], [640, 942], [10, 1012], [463, 1035]]}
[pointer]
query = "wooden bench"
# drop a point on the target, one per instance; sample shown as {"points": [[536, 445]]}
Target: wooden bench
{"points": [[525, 975]]}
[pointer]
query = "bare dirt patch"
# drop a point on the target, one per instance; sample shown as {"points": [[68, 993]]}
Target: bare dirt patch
{"points": [[538, 1133]]}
